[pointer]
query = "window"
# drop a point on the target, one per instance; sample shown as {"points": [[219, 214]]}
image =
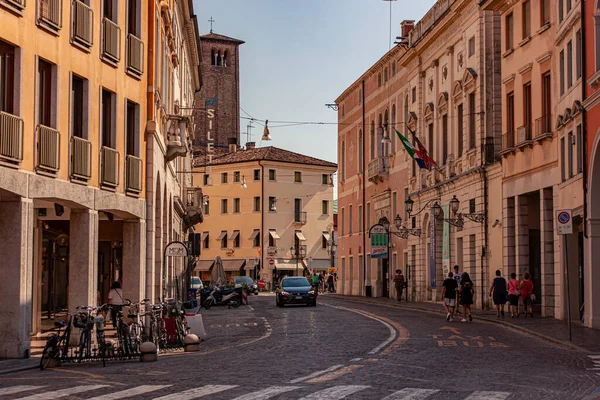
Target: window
{"points": [[360, 151], [379, 80], [430, 141], [392, 133], [509, 27], [297, 210], [206, 210], [570, 144], [110, 10], [561, 12], [569, 64], [46, 86], [394, 68], [579, 150], [350, 219], [257, 174], [223, 177], [360, 219], [223, 238], [546, 103], [510, 116], [472, 206], [394, 205], [236, 176], [471, 46], [206, 179], [568, 5], [107, 119], [406, 215], [343, 221], [342, 162], [256, 238], [414, 94], [545, 12], [385, 74], [272, 175], [257, 203], [272, 204], [562, 72], [205, 240], [325, 179], [563, 160], [372, 143], [298, 177], [133, 15], [7, 78], [527, 112], [526, 14], [132, 129], [324, 239], [579, 55], [325, 207], [359, 96], [272, 235], [236, 205], [460, 130], [472, 125], [79, 105], [223, 206], [235, 238], [368, 216], [444, 139]]}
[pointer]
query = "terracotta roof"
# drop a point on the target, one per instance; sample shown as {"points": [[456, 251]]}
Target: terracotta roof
{"points": [[216, 36], [263, 153]]}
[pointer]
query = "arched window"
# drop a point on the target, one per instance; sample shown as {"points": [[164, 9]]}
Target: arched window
{"points": [[219, 59], [381, 145], [385, 148], [379, 80], [225, 58], [385, 74], [372, 144], [360, 150], [393, 129], [343, 161], [213, 57]]}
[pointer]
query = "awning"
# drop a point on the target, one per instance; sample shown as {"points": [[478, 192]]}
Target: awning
{"points": [[254, 234], [222, 235], [204, 265], [300, 236], [204, 235], [234, 235], [288, 265], [233, 265], [320, 265], [274, 234], [326, 236]]}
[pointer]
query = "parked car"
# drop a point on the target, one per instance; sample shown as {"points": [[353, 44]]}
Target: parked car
{"points": [[295, 290], [246, 280], [196, 283]]}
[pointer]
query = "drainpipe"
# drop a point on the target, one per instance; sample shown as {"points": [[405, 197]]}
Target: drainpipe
{"points": [[262, 217], [584, 124], [364, 190], [150, 205], [484, 250]]}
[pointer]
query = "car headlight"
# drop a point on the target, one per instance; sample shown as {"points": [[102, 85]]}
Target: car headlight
{"points": [[284, 293], [311, 292]]}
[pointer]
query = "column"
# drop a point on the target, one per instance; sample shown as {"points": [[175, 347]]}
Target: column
{"points": [[16, 236], [509, 235], [547, 249], [134, 261], [592, 275], [83, 258], [521, 234]]}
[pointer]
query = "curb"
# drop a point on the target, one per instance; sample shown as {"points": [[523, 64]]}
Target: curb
{"points": [[546, 338], [18, 369]]}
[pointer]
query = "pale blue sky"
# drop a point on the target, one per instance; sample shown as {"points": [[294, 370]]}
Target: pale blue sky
{"points": [[302, 54]]}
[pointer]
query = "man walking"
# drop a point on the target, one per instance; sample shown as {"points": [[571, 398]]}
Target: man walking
{"points": [[449, 289], [399, 284], [457, 276]]}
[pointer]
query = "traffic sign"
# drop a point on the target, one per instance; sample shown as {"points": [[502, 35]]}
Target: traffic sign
{"points": [[271, 262], [564, 222]]}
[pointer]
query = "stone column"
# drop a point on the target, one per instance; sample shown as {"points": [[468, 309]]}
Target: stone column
{"points": [[509, 234], [16, 236], [547, 249], [521, 235], [83, 258], [592, 275], [134, 261]]}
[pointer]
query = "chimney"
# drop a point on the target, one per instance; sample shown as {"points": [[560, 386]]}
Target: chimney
{"points": [[250, 145], [406, 26], [232, 142]]}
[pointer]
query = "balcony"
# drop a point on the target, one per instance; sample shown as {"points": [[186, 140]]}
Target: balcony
{"points": [[48, 149], [81, 159], [111, 41], [543, 128], [11, 139], [490, 150], [299, 251], [508, 143], [524, 136], [50, 14], [193, 210], [16, 5], [83, 23], [133, 183], [300, 217], [110, 167], [378, 169], [135, 55]]}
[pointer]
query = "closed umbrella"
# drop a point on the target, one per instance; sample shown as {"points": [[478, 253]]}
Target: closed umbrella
{"points": [[217, 276]]}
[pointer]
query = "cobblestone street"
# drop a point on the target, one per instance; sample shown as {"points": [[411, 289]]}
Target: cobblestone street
{"points": [[260, 351]]}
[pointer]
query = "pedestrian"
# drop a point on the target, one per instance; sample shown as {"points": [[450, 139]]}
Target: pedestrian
{"points": [[115, 299], [514, 290], [330, 287], [498, 288], [449, 288], [457, 277], [321, 282], [527, 295], [467, 294], [399, 284], [315, 281]]}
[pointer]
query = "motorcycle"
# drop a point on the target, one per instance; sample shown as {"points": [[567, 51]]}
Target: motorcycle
{"points": [[229, 297]]}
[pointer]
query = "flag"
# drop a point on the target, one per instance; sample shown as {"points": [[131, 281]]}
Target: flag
{"points": [[428, 161], [412, 150]]}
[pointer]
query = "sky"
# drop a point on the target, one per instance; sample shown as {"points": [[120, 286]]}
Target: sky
{"points": [[300, 55]]}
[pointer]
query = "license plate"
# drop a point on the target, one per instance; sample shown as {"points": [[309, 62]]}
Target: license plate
{"points": [[298, 297]]}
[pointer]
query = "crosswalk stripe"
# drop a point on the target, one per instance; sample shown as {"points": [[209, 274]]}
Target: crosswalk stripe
{"points": [[315, 374], [196, 392], [17, 389], [488, 396], [63, 392], [411, 394], [335, 392], [136, 391], [267, 393]]}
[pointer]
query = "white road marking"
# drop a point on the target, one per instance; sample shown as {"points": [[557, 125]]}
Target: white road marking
{"points": [[55, 394], [267, 393], [17, 389], [356, 359], [335, 392], [196, 392], [315, 374], [411, 394], [250, 308], [488, 396], [595, 356], [136, 391]]}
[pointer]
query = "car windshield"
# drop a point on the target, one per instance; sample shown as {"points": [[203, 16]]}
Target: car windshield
{"points": [[196, 281], [244, 279], [295, 282]]}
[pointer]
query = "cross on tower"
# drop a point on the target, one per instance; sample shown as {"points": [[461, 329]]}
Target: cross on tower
{"points": [[211, 20]]}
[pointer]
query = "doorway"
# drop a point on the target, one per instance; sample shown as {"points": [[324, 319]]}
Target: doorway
{"points": [[385, 279]]}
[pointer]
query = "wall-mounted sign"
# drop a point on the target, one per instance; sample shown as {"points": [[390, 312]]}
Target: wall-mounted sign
{"points": [[564, 222], [176, 249], [379, 241]]}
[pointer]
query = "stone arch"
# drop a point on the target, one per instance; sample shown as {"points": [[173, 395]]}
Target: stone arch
{"points": [[457, 90], [428, 111], [412, 121], [592, 245], [468, 80], [158, 244], [442, 102]]}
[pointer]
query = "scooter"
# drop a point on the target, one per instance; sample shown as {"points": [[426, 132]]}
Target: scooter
{"points": [[222, 297]]}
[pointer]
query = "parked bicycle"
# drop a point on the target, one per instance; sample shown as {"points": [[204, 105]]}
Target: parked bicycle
{"points": [[57, 345]]}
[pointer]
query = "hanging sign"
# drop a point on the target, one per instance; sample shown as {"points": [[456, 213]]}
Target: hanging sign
{"points": [[176, 249], [379, 241]]}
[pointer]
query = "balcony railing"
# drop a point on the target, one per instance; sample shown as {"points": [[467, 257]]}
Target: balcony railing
{"points": [[524, 135], [508, 142], [50, 12], [134, 174], [11, 138], [110, 167], [81, 158], [543, 127], [18, 4], [299, 251], [83, 23], [300, 217], [490, 150], [48, 149], [378, 169], [135, 54], [111, 40]]}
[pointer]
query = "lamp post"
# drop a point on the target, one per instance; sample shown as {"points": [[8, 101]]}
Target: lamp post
{"points": [[332, 248]]}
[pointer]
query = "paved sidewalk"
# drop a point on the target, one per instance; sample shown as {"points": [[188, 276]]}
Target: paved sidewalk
{"points": [[549, 329], [23, 364]]}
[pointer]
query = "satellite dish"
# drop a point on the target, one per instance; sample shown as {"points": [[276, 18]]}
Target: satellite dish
{"points": [[63, 240]]}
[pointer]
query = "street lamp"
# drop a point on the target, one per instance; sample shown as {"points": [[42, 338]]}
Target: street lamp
{"points": [[274, 205], [385, 134], [243, 185], [266, 132]]}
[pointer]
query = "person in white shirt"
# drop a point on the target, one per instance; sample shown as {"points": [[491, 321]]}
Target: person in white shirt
{"points": [[115, 299]]}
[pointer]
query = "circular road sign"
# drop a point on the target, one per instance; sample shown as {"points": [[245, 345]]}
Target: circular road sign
{"points": [[271, 262], [564, 217]]}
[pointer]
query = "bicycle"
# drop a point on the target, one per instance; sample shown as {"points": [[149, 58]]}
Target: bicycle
{"points": [[52, 349], [86, 320]]}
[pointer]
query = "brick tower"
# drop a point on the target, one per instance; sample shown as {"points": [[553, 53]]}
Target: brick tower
{"points": [[220, 92]]}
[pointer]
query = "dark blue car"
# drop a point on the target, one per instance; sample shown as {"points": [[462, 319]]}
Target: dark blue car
{"points": [[296, 290]]}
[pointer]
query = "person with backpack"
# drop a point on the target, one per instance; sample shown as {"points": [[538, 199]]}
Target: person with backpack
{"points": [[467, 294], [399, 284]]}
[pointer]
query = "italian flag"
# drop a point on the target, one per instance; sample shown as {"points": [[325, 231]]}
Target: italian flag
{"points": [[412, 151]]}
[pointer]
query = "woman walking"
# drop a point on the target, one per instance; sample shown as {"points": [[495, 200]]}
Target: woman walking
{"points": [[526, 294], [513, 294], [498, 288], [467, 293]]}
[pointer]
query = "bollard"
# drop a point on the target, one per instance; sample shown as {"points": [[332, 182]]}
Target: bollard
{"points": [[148, 352], [191, 343]]}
